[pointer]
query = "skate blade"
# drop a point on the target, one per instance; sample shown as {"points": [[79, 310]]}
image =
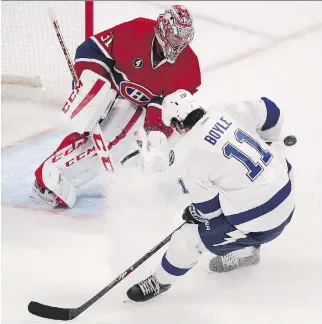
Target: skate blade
{"points": [[41, 203]]}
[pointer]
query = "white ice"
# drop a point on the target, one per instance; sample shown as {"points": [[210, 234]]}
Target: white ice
{"points": [[246, 50]]}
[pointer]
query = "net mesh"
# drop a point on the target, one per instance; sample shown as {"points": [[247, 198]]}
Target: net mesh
{"points": [[31, 54]]}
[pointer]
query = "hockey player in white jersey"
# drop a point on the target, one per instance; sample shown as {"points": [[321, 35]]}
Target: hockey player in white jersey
{"points": [[240, 188]]}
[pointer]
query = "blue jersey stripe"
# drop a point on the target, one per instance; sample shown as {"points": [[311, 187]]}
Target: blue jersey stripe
{"points": [[273, 114], [158, 101], [208, 206], [90, 50], [270, 205], [171, 269], [266, 236], [289, 166]]}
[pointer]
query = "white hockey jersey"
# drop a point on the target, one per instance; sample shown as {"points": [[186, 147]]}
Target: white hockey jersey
{"points": [[225, 165]]}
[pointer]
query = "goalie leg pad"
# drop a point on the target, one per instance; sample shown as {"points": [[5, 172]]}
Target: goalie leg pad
{"points": [[75, 158], [55, 190], [119, 129], [71, 166], [90, 101], [56, 182]]}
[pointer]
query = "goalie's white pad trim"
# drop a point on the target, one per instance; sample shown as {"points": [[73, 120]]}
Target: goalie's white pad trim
{"points": [[58, 183], [154, 151], [88, 102]]}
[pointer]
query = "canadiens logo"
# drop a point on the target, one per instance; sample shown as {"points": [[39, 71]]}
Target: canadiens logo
{"points": [[138, 63], [136, 93]]}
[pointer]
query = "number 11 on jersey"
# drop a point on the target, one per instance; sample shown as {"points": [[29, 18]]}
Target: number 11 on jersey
{"points": [[254, 168]]}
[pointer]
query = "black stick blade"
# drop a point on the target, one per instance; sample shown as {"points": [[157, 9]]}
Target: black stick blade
{"points": [[54, 313]]}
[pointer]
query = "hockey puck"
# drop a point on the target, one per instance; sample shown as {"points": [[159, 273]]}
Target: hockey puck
{"points": [[290, 140]]}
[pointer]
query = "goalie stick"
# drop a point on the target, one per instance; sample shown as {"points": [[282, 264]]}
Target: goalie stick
{"points": [[66, 314], [96, 134]]}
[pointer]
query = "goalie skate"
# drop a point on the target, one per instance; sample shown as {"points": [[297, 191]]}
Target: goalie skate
{"points": [[231, 262], [146, 289], [43, 196]]}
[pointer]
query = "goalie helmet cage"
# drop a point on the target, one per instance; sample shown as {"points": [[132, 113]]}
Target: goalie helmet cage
{"points": [[33, 66]]}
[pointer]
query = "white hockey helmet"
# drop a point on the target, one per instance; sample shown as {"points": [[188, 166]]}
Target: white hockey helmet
{"points": [[181, 109], [174, 30]]}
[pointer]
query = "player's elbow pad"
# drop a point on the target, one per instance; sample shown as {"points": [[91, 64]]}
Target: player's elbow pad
{"points": [[88, 102], [271, 129]]}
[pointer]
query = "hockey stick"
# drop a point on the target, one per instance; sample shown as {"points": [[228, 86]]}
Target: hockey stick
{"points": [[96, 133], [136, 152], [65, 314]]}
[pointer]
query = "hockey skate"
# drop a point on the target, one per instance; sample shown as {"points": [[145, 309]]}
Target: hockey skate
{"points": [[146, 289], [43, 196], [231, 262]]}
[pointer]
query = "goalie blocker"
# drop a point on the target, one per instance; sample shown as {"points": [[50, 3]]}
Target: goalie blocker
{"points": [[76, 161]]}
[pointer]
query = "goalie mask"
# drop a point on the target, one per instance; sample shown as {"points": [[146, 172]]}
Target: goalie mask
{"points": [[181, 111], [174, 31]]}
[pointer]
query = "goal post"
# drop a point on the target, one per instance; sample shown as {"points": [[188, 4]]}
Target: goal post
{"points": [[32, 65], [89, 19]]}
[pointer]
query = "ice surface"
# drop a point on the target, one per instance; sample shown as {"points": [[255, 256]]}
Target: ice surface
{"points": [[64, 258]]}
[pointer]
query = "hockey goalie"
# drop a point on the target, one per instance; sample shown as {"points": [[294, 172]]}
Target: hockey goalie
{"points": [[125, 72]]}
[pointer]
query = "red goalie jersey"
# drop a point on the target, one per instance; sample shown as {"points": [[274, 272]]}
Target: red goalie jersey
{"points": [[144, 60]]}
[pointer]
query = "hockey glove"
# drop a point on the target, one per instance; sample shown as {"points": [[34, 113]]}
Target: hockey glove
{"points": [[192, 216]]}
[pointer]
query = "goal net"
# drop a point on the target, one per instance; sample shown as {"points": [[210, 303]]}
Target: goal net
{"points": [[33, 65]]}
